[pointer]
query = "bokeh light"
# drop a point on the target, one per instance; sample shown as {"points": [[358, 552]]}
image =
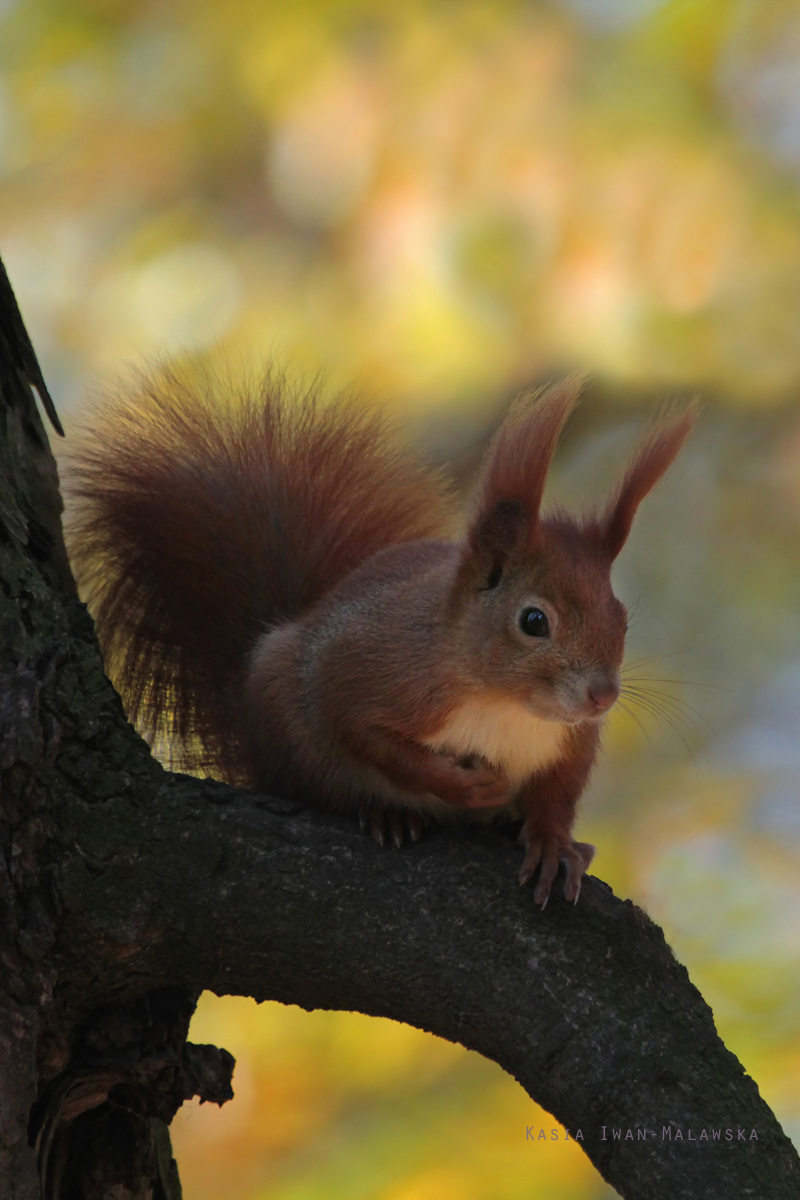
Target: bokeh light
{"points": [[441, 204]]}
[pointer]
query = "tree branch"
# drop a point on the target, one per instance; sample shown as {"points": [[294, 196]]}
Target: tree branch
{"points": [[125, 890]]}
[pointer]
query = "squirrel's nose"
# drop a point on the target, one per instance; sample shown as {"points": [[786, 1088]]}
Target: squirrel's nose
{"points": [[602, 695]]}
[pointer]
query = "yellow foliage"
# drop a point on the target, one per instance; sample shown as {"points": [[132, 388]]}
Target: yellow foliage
{"points": [[443, 203]]}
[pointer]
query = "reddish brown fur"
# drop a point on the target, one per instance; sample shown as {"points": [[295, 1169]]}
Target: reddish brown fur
{"points": [[516, 464], [655, 454], [270, 595], [203, 515]]}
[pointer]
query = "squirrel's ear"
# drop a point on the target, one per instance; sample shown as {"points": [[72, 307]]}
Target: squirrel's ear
{"points": [[656, 451], [512, 479]]}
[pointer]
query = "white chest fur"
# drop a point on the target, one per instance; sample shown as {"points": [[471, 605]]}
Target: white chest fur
{"points": [[503, 732]]}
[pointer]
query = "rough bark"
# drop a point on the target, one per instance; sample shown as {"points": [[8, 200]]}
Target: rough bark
{"points": [[126, 890]]}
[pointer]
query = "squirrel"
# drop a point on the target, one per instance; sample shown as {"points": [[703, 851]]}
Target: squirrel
{"points": [[279, 596]]}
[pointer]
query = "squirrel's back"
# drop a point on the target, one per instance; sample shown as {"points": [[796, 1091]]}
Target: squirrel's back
{"points": [[204, 513]]}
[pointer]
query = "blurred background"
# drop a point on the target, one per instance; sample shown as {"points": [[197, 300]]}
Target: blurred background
{"points": [[441, 202]]}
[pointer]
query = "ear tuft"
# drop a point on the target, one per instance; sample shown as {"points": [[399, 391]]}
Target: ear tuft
{"points": [[656, 451], [515, 468]]}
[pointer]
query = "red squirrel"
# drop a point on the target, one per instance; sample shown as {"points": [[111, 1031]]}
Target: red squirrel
{"points": [[277, 595]]}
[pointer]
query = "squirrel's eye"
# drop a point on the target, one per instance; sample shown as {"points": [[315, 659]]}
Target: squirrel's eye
{"points": [[533, 622]]}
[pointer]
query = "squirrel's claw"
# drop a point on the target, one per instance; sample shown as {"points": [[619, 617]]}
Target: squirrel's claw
{"points": [[578, 859], [547, 875], [416, 825], [397, 826], [586, 851], [549, 852], [384, 824], [533, 853], [372, 820]]}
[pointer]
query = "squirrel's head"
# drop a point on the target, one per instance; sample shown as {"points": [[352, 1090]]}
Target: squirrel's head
{"points": [[532, 596]]}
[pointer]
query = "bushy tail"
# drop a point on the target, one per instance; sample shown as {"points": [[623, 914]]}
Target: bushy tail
{"points": [[203, 514]]}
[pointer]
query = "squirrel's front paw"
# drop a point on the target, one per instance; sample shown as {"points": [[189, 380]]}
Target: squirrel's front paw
{"points": [[549, 850], [474, 786]]}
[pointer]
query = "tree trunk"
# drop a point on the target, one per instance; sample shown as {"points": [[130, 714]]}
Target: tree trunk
{"points": [[126, 890]]}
